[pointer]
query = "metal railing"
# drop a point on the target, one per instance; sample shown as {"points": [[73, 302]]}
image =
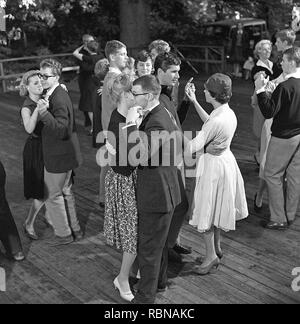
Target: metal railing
{"points": [[212, 58], [4, 77]]}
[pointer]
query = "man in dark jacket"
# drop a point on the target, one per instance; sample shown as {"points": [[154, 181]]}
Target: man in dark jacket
{"points": [[158, 188], [61, 154]]}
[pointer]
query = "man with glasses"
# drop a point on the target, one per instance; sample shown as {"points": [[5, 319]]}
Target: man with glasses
{"points": [[61, 154], [158, 189]]}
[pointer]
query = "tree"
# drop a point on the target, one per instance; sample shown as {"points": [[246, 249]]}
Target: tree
{"points": [[134, 23]]}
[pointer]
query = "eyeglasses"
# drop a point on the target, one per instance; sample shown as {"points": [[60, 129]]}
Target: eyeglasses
{"points": [[46, 77], [139, 94]]}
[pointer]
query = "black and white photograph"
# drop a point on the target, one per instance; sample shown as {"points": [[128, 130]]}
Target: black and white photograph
{"points": [[149, 154]]}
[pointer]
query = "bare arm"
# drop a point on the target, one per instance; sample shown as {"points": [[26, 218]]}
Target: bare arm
{"points": [[191, 94], [77, 54], [29, 120]]}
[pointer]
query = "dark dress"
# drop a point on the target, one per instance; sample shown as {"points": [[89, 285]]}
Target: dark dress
{"points": [[97, 111], [33, 162], [258, 69], [9, 235], [87, 81], [121, 217]]}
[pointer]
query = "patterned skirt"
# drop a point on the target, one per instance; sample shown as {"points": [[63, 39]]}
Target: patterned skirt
{"points": [[121, 217]]}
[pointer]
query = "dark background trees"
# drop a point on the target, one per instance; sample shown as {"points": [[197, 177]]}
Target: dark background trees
{"points": [[57, 25]]}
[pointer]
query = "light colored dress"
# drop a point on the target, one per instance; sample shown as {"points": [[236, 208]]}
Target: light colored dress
{"points": [[219, 198]]}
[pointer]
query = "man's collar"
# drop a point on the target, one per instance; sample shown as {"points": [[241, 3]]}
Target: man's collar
{"points": [[115, 70], [50, 91], [295, 75], [167, 90], [151, 107]]}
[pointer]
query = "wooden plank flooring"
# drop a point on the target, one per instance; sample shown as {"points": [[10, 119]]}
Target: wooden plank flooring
{"points": [[257, 266]]}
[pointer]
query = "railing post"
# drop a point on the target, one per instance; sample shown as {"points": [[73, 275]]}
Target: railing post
{"points": [[223, 60], [206, 60], [2, 75]]}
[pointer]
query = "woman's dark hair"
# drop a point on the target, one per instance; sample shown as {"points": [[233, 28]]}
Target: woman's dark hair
{"points": [[142, 56]]}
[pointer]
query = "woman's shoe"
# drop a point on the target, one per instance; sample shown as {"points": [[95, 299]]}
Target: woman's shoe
{"points": [[19, 257], [201, 259], [212, 267], [257, 209], [128, 296], [30, 233], [220, 255]]}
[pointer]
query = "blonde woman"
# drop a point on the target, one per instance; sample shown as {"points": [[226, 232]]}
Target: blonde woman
{"points": [[121, 218], [33, 163], [264, 66]]}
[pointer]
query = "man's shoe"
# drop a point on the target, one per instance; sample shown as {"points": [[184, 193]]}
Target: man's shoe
{"points": [[102, 205], [291, 222], [174, 256], [162, 288], [18, 257], [59, 241], [276, 226], [78, 236], [181, 249]]}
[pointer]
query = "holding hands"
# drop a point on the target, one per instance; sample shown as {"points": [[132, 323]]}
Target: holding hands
{"points": [[42, 106], [261, 81], [134, 116]]}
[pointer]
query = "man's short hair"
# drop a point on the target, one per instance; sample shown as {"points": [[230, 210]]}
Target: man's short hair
{"points": [[54, 65], [165, 61], [160, 46], [293, 54], [149, 83], [142, 56], [287, 35], [87, 37], [112, 48]]}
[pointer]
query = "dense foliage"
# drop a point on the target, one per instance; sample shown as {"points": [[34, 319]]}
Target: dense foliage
{"points": [[58, 24]]}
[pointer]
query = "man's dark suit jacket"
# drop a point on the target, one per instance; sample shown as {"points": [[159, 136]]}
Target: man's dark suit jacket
{"points": [[158, 189], [60, 142]]}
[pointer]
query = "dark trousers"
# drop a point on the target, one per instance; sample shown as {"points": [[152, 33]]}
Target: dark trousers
{"points": [[9, 235], [152, 253], [82, 84], [179, 214]]}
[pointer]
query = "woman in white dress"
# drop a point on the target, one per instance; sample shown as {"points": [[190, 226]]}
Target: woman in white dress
{"points": [[219, 198]]}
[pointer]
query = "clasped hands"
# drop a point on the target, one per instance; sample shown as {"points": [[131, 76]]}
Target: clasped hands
{"points": [[134, 116], [42, 106]]}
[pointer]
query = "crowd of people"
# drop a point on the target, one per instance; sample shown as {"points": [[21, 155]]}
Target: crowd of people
{"points": [[132, 106]]}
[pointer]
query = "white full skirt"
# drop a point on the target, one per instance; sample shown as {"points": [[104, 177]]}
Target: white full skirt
{"points": [[220, 198]]}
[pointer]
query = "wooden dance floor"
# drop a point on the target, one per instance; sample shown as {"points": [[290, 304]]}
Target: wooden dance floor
{"points": [[257, 267]]}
